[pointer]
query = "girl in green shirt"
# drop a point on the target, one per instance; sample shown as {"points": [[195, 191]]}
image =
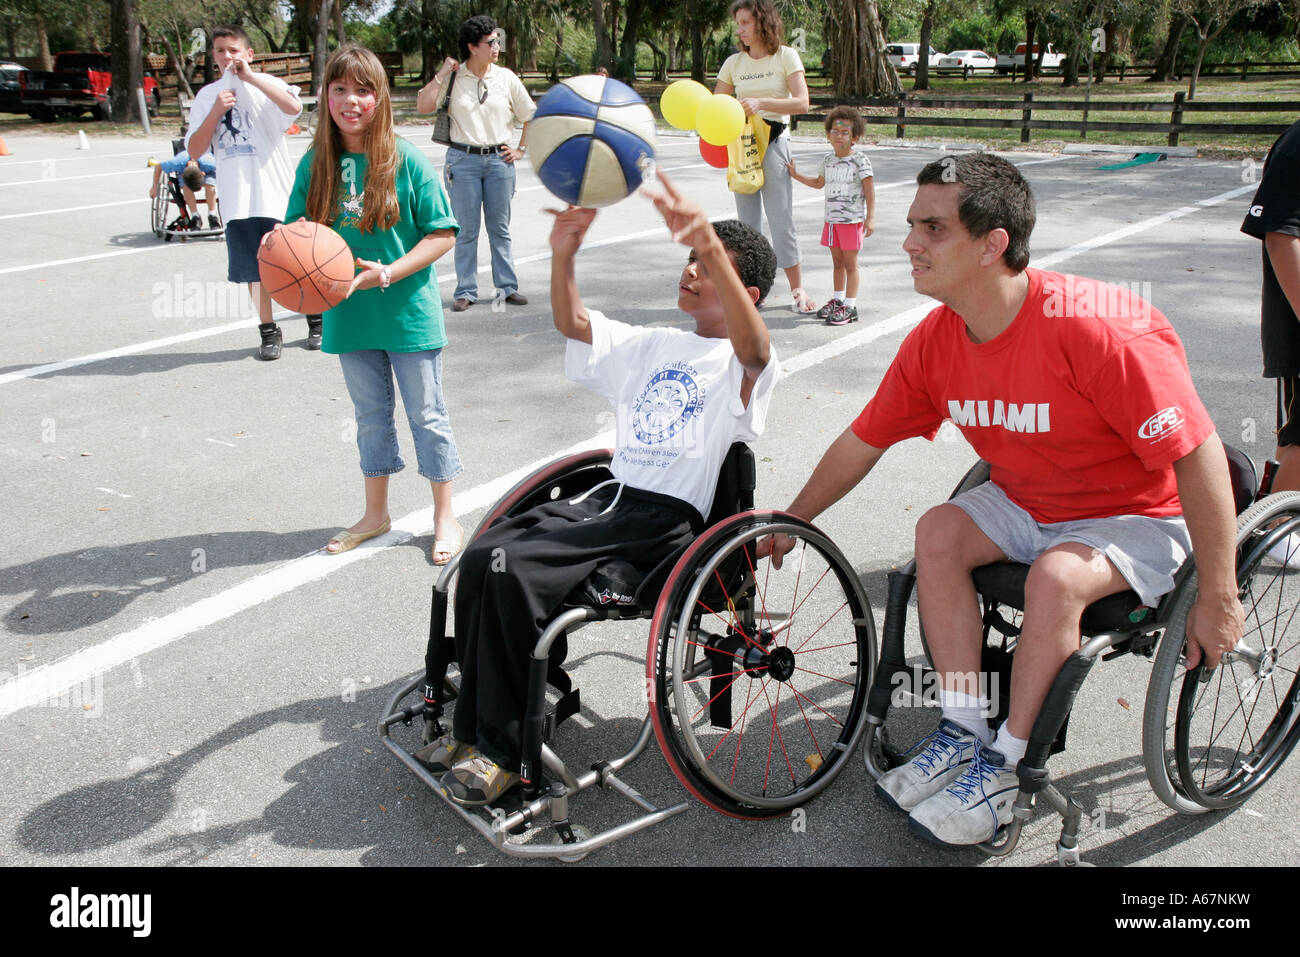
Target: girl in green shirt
{"points": [[383, 197]]}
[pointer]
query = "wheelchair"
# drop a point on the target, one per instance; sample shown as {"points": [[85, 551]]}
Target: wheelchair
{"points": [[756, 679], [169, 216], [1210, 737]]}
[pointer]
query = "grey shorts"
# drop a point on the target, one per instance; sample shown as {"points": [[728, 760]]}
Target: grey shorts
{"points": [[1146, 551]]}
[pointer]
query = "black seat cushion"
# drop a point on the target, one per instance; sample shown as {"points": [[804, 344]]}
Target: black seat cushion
{"points": [[1005, 582]]}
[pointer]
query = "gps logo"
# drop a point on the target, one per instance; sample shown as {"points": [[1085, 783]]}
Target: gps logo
{"points": [[1162, 423]]}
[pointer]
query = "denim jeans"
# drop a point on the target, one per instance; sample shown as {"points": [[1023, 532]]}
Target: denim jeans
{"points": [[369, 376], [481, 188]]}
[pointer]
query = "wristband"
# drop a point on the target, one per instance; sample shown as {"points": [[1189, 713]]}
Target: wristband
{"points": [[385, 277]]}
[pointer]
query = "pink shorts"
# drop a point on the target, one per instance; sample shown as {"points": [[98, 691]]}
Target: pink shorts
{"points": [[842, 235]]}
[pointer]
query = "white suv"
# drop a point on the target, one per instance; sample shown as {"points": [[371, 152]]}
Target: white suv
{"points": [[904, 56]]}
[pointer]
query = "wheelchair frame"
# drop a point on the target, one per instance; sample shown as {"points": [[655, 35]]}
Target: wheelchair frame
{"points": [[718, 579], [1159, 635], [172, 197], [689, 672]]}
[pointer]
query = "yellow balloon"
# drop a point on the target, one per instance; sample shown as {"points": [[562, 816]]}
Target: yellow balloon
{"points": [[719, 119], [680, 101]]}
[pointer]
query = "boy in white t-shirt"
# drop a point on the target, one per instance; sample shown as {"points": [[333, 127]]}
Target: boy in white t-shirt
{"points": [[850, 209], [243, 117], [682, 399]]}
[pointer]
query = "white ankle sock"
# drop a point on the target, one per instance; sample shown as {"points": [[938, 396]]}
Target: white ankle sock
{"points": [[838, 294], [968, 711], [1009, 746], [851, 303]]}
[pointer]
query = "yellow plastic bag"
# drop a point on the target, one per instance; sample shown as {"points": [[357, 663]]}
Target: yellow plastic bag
{"points": [[745, 157]]}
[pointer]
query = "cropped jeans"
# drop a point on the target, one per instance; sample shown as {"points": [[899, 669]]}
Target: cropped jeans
{"points": [[369, 374]]}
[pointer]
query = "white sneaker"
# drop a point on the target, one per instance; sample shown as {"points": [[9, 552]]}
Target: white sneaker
{"points": [[1287, 551], [970, 810], [946, 754]]}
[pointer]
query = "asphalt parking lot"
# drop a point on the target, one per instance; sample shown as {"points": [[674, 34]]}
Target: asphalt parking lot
{"points": [[186, 679]]}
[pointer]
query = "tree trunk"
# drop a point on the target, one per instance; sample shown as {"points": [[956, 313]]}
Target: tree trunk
{"points": [[340, 33], [320, 50], [858, 63], [923, 55], [1071, 64], [1196, 70], [1165, 64], [127, 66], [43, 41], [183, 88], [697, 43], [604, 48], [1031, 26], [627, 48]]}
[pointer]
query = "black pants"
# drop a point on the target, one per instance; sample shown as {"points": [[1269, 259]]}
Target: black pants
{"points": [[513, 580]]}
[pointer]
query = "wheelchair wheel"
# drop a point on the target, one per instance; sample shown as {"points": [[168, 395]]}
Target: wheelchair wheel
{"points": [[757, 676], [158, 215], [1210, 738]]}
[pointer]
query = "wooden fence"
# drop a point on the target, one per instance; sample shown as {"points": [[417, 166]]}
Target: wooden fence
{"points": [[904, 114]]}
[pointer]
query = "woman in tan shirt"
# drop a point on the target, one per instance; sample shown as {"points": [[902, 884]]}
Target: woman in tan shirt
{"points": [[486, 102]]}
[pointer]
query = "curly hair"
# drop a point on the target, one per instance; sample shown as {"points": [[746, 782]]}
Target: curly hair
{"points": [[752, 254], [472, 32], [849, 115], [993, 196], [768, 22]]}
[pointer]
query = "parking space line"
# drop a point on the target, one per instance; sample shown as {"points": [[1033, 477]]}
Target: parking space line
{"points": [[46, 681], [77, 209]]}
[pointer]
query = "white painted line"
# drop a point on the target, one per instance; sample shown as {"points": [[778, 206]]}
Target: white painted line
{"points": [[93, 256], [48, 681], [76, 209], [69, 179], [94, 156]]}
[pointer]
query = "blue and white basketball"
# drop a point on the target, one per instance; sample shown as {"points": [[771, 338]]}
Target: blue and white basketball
{"points": [[591, 140]]}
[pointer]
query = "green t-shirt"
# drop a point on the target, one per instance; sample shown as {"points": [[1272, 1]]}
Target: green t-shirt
{"points": [[407, 317]]}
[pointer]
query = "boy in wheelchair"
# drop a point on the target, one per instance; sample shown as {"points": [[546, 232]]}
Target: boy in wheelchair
{"points": [[195, 174], [681, 398], [1106, 470]]}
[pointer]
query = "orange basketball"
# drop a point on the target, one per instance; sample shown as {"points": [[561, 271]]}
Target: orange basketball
{"points": [[305, 266]]}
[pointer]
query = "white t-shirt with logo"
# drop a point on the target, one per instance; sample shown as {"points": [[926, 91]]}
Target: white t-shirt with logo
{"points": [[254, 174], [677, 400]]}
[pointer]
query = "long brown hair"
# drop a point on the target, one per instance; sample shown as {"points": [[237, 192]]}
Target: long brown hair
{"points": [[361, 67], [768, 22]]}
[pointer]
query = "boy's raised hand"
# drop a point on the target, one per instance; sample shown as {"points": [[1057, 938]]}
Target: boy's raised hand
{"points": [[569, 229]]}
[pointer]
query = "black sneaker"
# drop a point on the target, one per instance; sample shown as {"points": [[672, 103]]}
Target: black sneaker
{"points": [[313, 332], [195, 222], [272, 340], [213, 222]]}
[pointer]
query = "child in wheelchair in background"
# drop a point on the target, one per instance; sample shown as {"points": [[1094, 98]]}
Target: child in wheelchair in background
{"points": [[682, 398], [185, 177]]}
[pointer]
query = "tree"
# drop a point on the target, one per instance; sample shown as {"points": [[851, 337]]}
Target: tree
{"points": [[1166, 67], [1209, 17], [859, 64], [127, 63]]}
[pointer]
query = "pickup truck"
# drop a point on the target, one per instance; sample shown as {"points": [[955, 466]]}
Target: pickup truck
{"points": [[79, 83], [1016, 61]]}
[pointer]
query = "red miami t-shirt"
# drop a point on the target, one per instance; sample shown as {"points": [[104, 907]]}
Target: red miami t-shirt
{"points": [[1080, 406]]}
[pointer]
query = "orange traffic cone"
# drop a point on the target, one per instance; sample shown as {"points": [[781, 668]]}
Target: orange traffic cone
{"points": [[4, 150]]}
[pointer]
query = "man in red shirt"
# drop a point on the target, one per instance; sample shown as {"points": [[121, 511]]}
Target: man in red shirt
{"points": [[1105, 470]]}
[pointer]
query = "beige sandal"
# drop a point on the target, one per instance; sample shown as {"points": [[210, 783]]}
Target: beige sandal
{"points": [[451, 549], [347, 541]]}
